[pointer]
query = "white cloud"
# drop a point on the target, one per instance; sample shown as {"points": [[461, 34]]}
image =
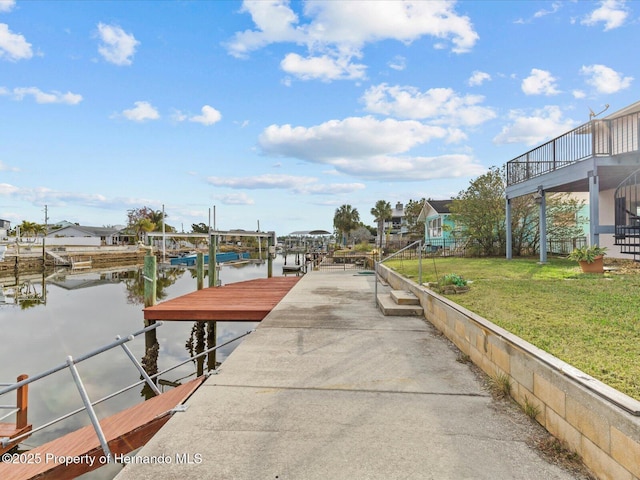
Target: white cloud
{"points": [[540, 82], [236, 199], [8, 189], [398, 63], [441, 105], [555, 6], [351, 137], [323, 68], [141, 111], [541, 125], [7, 5], [478, 78], [266, 181], [43, 195], [337, 32], [368, 148], [293, 183], [12, 45], [578, 94], [209, 116], [43, 97], [6, 168], [605, 79], [117, 47], [612, 13]]}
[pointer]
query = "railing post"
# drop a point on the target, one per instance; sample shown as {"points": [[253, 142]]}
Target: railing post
{"points": [[22, 403], [87, 403]]}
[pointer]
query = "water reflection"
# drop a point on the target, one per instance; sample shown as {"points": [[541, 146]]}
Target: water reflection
{"points": [[76, 313]]}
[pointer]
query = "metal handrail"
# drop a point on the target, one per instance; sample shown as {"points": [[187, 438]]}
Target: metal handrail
{"points": [[375, 269], [88, 405], [81, 358]]}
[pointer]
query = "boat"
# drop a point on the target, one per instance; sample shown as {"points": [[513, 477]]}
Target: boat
{"points": [[223, 257]]}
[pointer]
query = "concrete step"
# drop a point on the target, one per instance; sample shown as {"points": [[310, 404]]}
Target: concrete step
{"points": [[404, 297], [389, 307]]}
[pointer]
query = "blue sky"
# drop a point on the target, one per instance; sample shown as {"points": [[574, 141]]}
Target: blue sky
{"points": [[280, 112]]}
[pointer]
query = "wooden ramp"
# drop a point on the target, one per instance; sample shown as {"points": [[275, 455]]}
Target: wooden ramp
{"points": [[124, 431], [248, 301]]}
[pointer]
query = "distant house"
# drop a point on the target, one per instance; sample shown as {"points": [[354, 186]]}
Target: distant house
{"points": [[5, 226], [396, 228], [83, 235], [438, 227]]}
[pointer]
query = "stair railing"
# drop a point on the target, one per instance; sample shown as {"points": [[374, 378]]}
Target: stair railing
{"points": [[419, 243]]}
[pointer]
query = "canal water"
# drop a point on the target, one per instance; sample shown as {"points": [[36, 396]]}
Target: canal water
{"points": [[72, 314]]}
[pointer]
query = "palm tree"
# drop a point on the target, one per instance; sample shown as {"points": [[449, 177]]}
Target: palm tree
{"points": [[345, 220], [32, 228], [381, 212]]}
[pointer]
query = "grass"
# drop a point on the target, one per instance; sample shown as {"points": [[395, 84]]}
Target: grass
{"points": [[591, 321]]}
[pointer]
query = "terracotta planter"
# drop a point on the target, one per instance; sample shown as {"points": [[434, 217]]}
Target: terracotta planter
{"points": [[597, 266]]}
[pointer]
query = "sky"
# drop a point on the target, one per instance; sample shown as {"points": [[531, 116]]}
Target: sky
{"points": [[276, 113]]}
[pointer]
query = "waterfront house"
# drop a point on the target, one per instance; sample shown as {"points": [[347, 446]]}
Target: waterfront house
{"points": [[438, 228], [83, 235], [601, 158]]}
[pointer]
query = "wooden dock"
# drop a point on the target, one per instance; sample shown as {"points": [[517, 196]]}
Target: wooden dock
{"points": [[248, 301], [124, 431]]}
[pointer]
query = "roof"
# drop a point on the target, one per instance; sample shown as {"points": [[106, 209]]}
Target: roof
{"points": [[94, 231], [633, 108], [301, 233], [440, 206]]}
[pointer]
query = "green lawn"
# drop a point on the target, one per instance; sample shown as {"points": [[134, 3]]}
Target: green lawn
{"points": [[590, 321]]}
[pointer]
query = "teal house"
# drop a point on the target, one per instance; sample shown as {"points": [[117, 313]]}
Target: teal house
{"points": [[438, 227]]}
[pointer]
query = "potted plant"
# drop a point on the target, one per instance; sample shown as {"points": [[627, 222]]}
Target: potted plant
{"points": [[589, 258]]}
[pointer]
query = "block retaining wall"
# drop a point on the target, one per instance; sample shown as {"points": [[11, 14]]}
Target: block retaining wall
{"points": [[599, 423]]}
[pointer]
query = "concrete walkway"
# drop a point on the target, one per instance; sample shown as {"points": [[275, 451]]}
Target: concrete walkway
{"points": [[329, 388]]}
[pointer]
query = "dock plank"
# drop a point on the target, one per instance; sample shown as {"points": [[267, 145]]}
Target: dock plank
{"points": [[125, 431], [248, 301]]}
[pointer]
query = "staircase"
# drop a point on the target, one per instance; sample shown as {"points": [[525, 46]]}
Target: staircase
{"points": [[399, 303], [627, 218]]}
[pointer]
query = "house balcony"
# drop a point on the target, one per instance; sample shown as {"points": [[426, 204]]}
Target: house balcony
{"points": [[595, 157], [605, 142]]}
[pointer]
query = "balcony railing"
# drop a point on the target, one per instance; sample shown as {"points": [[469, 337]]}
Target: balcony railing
{"points": [[596, 138]]}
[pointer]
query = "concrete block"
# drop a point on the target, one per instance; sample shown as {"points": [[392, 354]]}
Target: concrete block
{"points": [[626, 451], [592, 426], [605, 467], [559, 428], [549, 394]]}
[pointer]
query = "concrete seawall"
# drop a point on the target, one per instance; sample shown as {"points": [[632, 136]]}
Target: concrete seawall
{"points": [[329, 388], [597, 422]]}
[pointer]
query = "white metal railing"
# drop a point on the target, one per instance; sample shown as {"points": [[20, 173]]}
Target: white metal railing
{"points": [[71, 363]]}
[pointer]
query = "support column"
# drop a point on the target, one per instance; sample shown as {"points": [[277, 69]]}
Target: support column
{"points": [[594, 208], [213, 271], [543, 225], [509, 233]]}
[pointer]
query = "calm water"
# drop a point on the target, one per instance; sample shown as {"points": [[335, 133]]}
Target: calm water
{"points": [[85, 311]]}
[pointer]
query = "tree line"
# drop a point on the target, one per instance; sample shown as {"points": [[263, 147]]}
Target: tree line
{"points": [[479, 216]]}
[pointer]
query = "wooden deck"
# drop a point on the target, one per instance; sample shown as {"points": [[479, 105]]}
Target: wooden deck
{"points": [[248, 301], [125, 432]]}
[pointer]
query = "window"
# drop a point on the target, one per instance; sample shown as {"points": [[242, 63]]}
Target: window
{"points": [[435, 227]]}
